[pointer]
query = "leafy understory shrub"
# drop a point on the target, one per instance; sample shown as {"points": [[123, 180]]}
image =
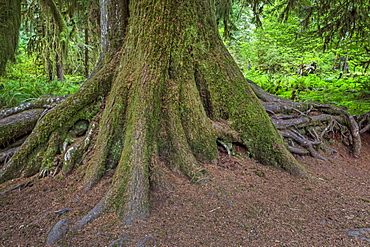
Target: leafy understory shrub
{"points": [[26, 80], [16, 92], [351, 92]]}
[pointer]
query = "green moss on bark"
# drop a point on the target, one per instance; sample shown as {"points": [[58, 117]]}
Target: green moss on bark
{"points": [[233, 100], [176, 81], [84, 104]]}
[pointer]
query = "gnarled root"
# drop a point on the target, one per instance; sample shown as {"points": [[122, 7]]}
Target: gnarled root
{"points": [[16, 123], [306, 126], [363, 121]]}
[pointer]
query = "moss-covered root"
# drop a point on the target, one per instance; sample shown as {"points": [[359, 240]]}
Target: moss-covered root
{"points": [[187, 133], [93, 214], [109, 143], [260, 135], [84, 104], [233, 100], [130, 187], [175, 148]]}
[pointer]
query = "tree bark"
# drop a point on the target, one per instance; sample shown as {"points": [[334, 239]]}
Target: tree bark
{"points": [[165, 90]]}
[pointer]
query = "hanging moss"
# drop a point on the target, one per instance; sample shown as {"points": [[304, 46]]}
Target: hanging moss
{"points": [[10, 20]]}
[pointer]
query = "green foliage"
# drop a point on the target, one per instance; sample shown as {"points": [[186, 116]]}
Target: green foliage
{"points": [[25, 81], [278, 55], [15, 92], [352, 93]]}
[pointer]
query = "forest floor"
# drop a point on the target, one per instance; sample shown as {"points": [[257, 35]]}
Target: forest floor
{"points": [[243, 203]]}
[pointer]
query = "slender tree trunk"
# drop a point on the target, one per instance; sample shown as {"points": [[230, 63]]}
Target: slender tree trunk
{"points": [[10, 21], [62, 29], [86, 60], [59, 67]]}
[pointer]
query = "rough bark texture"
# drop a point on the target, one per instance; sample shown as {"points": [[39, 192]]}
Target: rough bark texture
{"points": [[10, 21], [161, 100]]}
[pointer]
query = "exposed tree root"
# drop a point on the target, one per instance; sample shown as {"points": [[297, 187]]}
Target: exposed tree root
{"points": [[5, 155], [310, 124], [306, 126], [18, 125], [19, 186], [363, 121], [92, 214], [43, 102], [53, 130], [303, 142]]}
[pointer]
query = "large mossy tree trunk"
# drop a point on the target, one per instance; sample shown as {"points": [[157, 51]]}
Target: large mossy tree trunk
{"points": [[164, 92], [10, 21]]}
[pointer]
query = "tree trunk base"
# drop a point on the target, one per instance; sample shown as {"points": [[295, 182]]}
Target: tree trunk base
{"points": [[307, 128]]}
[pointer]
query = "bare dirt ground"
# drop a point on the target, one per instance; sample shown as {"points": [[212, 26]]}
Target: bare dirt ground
{"points": [[240, 203]]}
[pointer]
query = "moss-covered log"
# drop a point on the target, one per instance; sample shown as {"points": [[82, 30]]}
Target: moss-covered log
{"points": [[15, 126]]}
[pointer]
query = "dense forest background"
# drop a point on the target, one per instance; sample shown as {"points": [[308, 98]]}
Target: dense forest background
{"points": [[280, 53]]}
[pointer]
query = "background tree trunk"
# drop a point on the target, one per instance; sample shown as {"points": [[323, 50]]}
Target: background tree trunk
{"points": [[10, 21]]}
